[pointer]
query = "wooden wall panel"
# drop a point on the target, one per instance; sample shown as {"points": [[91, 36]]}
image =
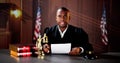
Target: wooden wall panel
{"points": [[27, 21], [114, 25], [21, 30], [91, 23], [15, 23], [5, 34], [3, 1], [5, 39], [25, 25], [16, 2]]}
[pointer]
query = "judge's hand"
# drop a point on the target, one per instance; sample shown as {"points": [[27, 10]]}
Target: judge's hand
{"points": [[75, 51], [46, 48]]}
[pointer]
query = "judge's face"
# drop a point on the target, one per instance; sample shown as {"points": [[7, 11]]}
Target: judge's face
{"points": [[62, 18]]}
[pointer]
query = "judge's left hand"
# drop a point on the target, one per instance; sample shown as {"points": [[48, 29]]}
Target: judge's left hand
{"points": [[75, 51], [46, 48]]}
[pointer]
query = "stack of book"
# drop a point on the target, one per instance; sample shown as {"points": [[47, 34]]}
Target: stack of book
{"points": [[23, 50]]}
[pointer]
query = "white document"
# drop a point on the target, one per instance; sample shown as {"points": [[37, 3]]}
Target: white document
{"points": [[60, 48]]}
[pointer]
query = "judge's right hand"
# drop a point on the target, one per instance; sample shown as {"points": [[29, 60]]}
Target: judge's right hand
{"points": [[75, 51], [46, 48]]}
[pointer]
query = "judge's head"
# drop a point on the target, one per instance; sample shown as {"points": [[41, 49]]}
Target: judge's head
{"points": [[63, 17]]}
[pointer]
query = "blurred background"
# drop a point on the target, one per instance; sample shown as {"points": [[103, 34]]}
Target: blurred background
{"points": [[18, 27]]}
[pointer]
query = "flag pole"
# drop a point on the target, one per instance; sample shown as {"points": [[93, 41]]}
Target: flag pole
{"points": [[21, 24]]}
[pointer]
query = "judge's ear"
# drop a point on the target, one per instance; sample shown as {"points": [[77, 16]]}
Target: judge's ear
{"points": [[69, 17]]}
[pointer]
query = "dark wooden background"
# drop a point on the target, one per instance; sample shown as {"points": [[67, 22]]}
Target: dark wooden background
{"points": [[84, 13]]}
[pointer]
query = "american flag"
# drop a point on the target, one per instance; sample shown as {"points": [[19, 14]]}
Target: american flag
{"points": [[103, 27], [37, 29]]}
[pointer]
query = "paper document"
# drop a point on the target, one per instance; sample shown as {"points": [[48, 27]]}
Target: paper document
{"points": [[60, 48]]}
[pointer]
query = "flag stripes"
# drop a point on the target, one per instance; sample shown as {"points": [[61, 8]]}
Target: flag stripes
{"points": [[37, 30], [103, 27]]}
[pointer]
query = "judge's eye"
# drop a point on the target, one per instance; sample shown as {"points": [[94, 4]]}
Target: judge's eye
{"points": [[59, 16], [62, 16]]}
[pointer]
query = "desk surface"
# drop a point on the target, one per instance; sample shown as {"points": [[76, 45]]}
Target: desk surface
{"points": [[104, 58]]}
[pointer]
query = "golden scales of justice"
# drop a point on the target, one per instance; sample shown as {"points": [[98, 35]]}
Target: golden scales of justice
{"points": [[39, 42]]}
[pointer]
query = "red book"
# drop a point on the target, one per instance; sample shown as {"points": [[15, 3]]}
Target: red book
{"points": [[23, 50]]}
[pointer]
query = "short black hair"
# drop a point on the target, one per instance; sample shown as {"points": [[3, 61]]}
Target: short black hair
{"points": [[64, 9]]}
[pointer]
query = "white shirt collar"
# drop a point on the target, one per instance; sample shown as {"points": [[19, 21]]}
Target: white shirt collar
{"points": [[62, 33]]}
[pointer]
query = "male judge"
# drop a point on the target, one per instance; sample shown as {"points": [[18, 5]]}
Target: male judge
{"points": [[63, 33]]}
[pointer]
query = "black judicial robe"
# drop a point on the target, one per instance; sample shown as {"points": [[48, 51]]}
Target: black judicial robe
{"points": [[74, 35]]}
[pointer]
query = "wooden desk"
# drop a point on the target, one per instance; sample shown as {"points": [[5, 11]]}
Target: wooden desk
{"points": [[104, 58]]}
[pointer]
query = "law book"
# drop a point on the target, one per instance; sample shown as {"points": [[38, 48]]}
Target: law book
{"points": [[23, 50]]}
